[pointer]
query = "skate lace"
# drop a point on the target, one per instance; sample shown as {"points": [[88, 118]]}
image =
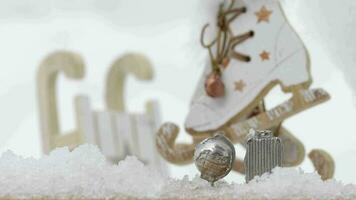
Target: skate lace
{"points": [[225, 40]]}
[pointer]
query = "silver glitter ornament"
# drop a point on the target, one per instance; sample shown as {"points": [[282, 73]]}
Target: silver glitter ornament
{"points": [[214, 157]]}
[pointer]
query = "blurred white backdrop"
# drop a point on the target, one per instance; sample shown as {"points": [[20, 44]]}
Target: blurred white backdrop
{"points": [[100, 30]]}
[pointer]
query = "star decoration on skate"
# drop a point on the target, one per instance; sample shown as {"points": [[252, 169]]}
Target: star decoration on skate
{"points": [[264, 55], [239, 85], [263, 15]]}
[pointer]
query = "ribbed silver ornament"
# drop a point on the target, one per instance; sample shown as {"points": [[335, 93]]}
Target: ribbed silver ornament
{"points": [[263, 153]]}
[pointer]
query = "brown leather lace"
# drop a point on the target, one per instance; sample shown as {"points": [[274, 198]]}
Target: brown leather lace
{"points": [[225, 39]]}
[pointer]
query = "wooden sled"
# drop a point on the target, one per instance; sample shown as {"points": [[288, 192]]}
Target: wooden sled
{"points": [[116, 132]]}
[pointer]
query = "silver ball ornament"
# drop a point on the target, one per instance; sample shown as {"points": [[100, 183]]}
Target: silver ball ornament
{"points": [[214, 157]]}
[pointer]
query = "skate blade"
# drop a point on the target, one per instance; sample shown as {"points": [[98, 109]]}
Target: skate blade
{"points": [[273, 117]]}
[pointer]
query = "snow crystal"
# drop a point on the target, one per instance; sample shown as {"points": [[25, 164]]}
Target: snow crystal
{"points": [[85, 173]]}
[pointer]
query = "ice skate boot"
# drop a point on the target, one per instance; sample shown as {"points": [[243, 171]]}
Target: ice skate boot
{"points": [[264, 52], [254, 50]]}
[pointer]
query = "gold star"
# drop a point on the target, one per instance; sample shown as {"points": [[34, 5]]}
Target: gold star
{"points": [[239, 85], [263, 14], [264, 55]]}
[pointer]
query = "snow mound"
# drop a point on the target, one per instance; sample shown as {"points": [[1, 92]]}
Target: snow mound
{"points": [[283, 183], [84, 173]]}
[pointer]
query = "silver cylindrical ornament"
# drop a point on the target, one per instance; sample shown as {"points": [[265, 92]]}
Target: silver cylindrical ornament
{"points": [[214, 157], [263, 153]]}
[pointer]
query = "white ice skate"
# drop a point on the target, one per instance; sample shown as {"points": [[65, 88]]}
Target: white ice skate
{"points": [[273, 55], [255, 49]]}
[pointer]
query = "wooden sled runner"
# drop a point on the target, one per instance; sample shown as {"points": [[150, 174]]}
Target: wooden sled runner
{"points": [[116, 132]]}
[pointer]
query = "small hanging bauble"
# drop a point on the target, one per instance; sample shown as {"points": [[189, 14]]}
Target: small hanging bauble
{"points": [[214, 157], [214, 86]]}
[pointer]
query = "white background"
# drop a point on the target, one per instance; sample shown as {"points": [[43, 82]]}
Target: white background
{"points": [[100, 30]]}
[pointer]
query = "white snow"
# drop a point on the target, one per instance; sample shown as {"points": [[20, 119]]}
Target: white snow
{"points": [[84, 173]]}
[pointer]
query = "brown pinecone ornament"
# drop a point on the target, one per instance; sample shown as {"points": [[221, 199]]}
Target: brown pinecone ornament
{"points": [[214, 86]]}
